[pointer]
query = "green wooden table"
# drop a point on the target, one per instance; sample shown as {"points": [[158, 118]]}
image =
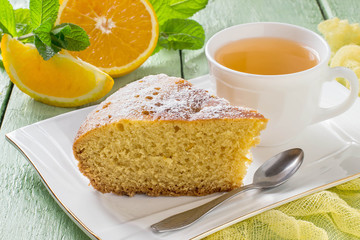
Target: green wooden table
{"points": [[27, 210]]}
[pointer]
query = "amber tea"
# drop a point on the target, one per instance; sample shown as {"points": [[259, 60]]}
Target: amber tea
{"points": [[266, 56]]}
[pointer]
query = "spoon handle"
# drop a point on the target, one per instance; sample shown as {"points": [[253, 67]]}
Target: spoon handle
{"points": [[184, 219]]}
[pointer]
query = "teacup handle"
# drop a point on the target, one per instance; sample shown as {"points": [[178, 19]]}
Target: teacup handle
{"points": [[326, 113]]}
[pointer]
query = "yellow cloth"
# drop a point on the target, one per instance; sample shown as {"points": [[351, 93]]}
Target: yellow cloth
{"points": [[330, 214], [344, 41], [339, 33]]}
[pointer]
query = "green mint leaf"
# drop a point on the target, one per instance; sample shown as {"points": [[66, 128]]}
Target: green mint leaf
{"points": [[22, 20], [180, 34], [22, 15], [42, 10], [70, 37], [168, 9], [43, 31], [7, 18], [63, 29], [44, 50]]}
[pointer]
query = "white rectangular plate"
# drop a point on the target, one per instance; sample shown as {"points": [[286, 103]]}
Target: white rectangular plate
{"points": [[332, 156]]}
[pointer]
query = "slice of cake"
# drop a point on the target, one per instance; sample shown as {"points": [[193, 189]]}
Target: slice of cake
{"points": [[161, 136]]}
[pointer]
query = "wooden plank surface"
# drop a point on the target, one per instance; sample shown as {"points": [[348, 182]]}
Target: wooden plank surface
{"points": [[5, 90], [343, 9], [5, 83], [222, 14], [27, 210]]}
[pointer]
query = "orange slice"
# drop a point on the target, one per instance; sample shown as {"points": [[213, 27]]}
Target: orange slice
{"points": [[61, 81], [123, 34]]}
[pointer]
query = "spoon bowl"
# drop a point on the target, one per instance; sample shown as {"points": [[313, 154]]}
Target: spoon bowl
{"points": [[272, 173], [278, 169]]}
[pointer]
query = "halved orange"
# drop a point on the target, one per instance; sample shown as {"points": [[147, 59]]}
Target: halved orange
{"points": [[61, 81], [123, 33]]}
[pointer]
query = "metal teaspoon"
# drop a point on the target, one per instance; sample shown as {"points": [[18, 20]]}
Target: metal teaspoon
{"points": [[272, 173]]}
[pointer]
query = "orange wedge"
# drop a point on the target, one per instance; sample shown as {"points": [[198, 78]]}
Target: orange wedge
{"points": [[62, 81], [123, 33]]}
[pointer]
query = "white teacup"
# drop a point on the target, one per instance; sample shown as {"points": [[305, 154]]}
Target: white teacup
{"points": [[289, 101]]}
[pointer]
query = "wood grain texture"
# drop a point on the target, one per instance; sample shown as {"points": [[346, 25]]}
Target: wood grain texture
{"points": [[5, 83], [5, 90], [222, 14], [27, 210], [343, 9]]}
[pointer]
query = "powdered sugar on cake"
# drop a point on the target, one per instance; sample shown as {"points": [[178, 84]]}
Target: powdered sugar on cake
{"points": [[160, 97]]}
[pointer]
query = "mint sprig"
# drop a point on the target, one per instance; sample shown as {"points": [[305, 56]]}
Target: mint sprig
{"points": [[180, 34], [36, 25], [23, 21], [176, 31], [7, 19], [168, 9], [43, 11], [42, 32], [45, 50], [69, 36]]}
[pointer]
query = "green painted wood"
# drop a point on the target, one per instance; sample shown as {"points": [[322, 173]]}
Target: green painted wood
{"points": [[5, 90], [27, 210], [225, 13], [5, 83], [344, 9]]}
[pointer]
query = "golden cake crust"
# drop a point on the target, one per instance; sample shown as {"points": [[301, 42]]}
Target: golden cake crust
{"points": [[160, 97], [161, 136]]}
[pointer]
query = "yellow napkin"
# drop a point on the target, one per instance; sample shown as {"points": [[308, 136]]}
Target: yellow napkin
{"points": [[339, 33], [330, 214], [344, 41]]}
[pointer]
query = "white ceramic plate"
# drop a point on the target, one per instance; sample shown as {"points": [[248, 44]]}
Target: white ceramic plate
{"points": [[332, 156]]}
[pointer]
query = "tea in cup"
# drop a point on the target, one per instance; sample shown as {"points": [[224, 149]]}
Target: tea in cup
{"points": [[266, 56], [278, 69]]}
